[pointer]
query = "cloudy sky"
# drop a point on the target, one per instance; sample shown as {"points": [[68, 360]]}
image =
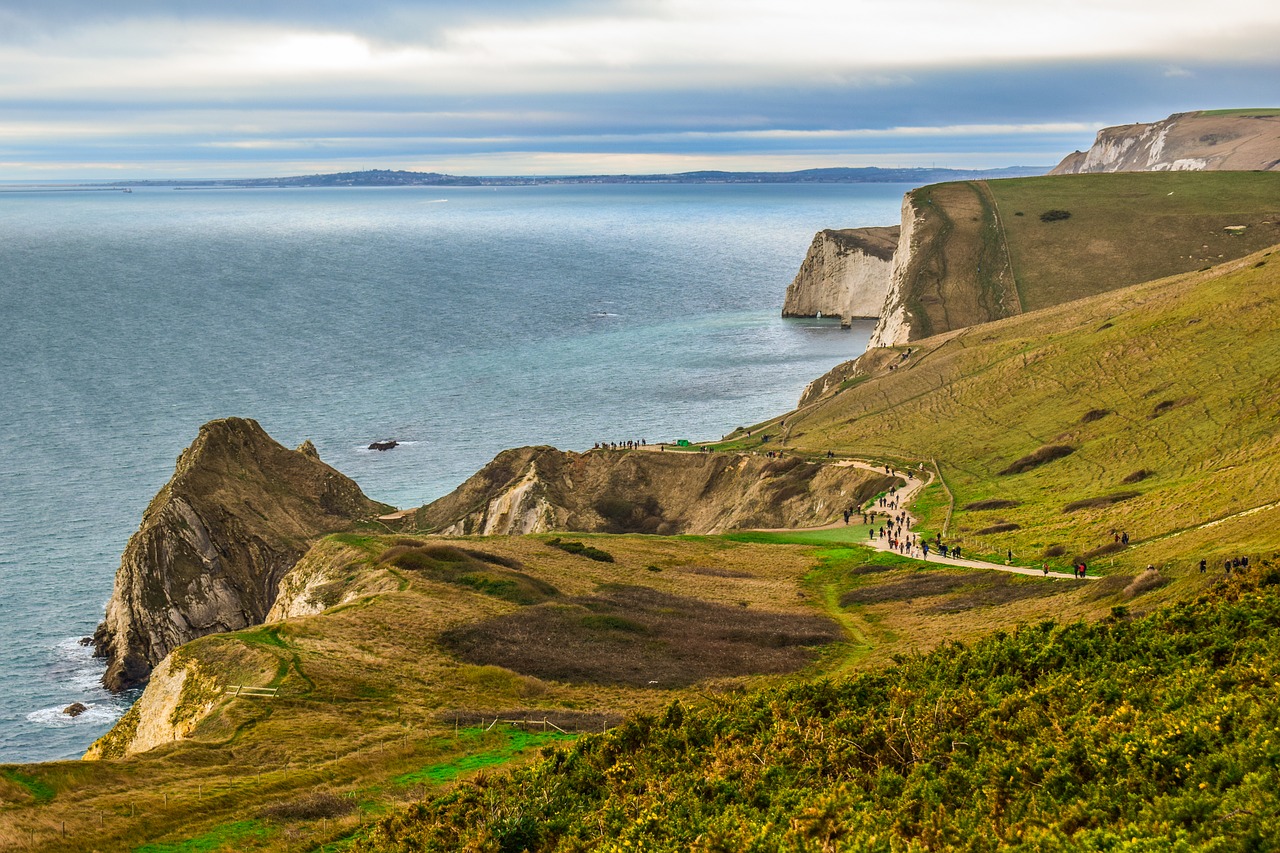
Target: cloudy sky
{"points": [[189, 88]]}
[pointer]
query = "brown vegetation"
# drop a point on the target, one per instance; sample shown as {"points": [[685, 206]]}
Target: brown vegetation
{"points": [[1044, 455], [992, 503], [1004, 527], [636, 636], [1100, 501]]}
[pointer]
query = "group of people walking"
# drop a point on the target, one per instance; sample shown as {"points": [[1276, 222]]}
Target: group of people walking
{"points": [[620, 445]]}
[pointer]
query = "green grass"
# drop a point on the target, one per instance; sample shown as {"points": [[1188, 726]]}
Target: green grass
{"points": [[514, 742], [1126, 734], [1130, 227], [1186, 369], [983, 252], [1259, 112], [228, 836], [852, 533], [40, 791]]}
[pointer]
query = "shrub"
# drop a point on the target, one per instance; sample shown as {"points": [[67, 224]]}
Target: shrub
{"points": [[1145, 582], [1138, 476], [1045, 454], [321, 804], [1005, 527], [1100, 501], [1094, 415], [1055, 215], [992, 503], [581, 550]]}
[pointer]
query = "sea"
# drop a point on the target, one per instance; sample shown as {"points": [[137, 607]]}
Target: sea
{"points": [[456, 321]]}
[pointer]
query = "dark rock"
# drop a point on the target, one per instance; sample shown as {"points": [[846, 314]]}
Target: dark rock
{"points": [[383, 445], [214, 543], [75, 709]]}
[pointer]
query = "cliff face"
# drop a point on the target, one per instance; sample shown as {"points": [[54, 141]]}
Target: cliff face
{"points": [[952, 266], [539, 489], [1236, 140], [845, 274], [238, 513]]}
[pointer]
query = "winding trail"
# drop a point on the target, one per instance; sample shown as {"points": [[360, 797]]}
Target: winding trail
{"points": [[907, 494]]}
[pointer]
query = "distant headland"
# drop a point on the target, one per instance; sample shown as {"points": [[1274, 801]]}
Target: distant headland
{"points": [[401, 178]]}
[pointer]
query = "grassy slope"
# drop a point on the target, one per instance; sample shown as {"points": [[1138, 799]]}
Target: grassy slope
{"points": [[367, 687], [368, 692], [985, 253], [1184, 368], [1155, 734]]}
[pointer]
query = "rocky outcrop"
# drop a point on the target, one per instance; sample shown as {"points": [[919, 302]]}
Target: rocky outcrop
{"points": [[178, 696], [845, 274], [538, 489], [1233, 140], [325, 578], [238, 513]]}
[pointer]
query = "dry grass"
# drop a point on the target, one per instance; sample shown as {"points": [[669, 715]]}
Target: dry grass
{"points": [[639, 637]]}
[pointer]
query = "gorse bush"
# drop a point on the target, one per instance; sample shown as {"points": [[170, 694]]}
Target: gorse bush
{"points": [[581, 550], [1156, 733]]}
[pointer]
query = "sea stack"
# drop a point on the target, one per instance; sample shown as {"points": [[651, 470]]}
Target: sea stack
{"points": [[238, 513], [845, 274]]}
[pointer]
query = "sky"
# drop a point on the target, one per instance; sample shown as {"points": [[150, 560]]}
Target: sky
{"points": [[254, 88]]}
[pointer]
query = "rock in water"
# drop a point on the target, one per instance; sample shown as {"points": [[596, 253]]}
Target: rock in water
{"points": [[238, 513], [75, 709]]}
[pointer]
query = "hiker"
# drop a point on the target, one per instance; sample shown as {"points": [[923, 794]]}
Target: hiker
{"points": [[1203, 566], [1009, 557], [1226, 564], [1045, 567], [1244, 562], [955, 551], [1124, 538], [846, 518], [1084, 569], [925, 548]]}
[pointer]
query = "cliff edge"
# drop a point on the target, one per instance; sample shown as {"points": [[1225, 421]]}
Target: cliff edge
{"points": [[845, 274], [541, 489], [214, 543], [1233, 140]]}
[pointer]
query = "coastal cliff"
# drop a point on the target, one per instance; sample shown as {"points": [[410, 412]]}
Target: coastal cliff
{"points": [[539, 489], [1236, 140], [845, 274], [214, 543], [952, 266]]}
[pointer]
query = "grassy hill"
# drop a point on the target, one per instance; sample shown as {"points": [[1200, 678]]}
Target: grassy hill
{"points": [[984, 250], [1149, 410], [1123, 735], [794, 690], [391, 696]]}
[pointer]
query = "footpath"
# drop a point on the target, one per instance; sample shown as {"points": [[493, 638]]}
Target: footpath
{"points": [[904, 496]]}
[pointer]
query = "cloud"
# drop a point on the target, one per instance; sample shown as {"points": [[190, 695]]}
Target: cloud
{"points": [[141, 83]]}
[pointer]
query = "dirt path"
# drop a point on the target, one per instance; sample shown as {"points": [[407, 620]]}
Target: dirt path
{"points": [[907, 494]]}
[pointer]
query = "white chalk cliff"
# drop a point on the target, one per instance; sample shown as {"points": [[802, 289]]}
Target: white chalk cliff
{"points": [[1233, 140], [845, 274], [894, 325]]}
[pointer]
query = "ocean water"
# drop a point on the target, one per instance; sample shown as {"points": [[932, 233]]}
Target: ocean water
{"points": [[459, 321]]}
